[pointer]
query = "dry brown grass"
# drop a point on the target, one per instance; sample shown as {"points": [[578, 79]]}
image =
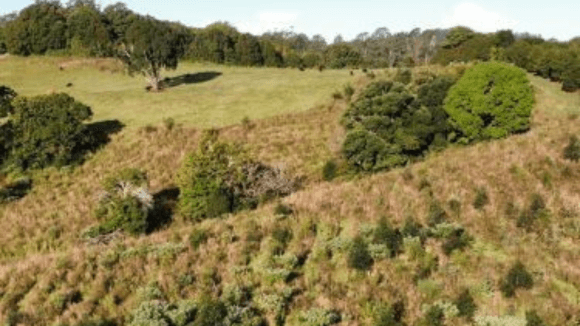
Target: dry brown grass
{"points": [[511, 170]]}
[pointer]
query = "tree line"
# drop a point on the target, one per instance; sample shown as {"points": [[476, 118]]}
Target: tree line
{"points": [[82, 28]]}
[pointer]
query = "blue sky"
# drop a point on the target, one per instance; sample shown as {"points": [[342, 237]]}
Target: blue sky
{"points": [[552, 19]]}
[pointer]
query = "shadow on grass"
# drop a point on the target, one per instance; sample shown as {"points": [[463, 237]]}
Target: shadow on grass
{"points": [[99, 134], [187, 79], [165, 204]]}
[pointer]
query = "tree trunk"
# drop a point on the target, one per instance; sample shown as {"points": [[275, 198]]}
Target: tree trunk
{"points": [[154, 80]]}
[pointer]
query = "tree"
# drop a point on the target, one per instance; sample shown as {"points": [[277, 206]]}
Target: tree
{"points": [[248, 50], [338, 39], [87, 35], [6, 96], [119, 18], [150, 46], [47, 130], [39, 27]]}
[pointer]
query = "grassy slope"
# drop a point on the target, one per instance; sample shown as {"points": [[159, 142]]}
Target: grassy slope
{"points": [[226, 99], [43, 260]]}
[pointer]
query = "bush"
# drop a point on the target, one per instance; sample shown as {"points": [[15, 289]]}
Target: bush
{"points": [[517, 277], [348, 91], [319, 317], [404, 76], [387, 126], [48, 130], [15, 190], [6, 96], [572, 151], [481, 198], [197, 238], [532, 319], [490, 101], [388, 236], [125, 204], [390, 316], [466, 305], [435, 316], [359, 256], [457, 240], [329, 170], [535, 211], [436, 214], [220, 178]]}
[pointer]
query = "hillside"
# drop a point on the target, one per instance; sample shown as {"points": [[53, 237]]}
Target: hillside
{"points": [[49, 275]]}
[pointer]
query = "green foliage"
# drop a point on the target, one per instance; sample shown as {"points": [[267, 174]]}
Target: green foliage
{"points": [[385, 234], [385, 315], [481, 198], [490, 101], [472, 47], [404, 76], [86, 32], [220, 178], [38, 28], [197, 238], [359, 256], [532, 319], [536, 210], [15, 190], [319, 317], [457, 36], [504, 38], [466, 305], [348, 91], [329, 170], [125, 204], [341, 56], [458, 239], [47, 130], [572, 151], [436, 214], [517, 277], [150, 46], [6, 96], [435, 316], [283, 210], [388, 126]]}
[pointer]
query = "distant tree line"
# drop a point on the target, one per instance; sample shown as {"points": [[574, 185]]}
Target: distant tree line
{"points": [[83, 28], [551, 59]]}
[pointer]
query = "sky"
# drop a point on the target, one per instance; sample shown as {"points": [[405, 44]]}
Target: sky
{"points": [[552, 19]]}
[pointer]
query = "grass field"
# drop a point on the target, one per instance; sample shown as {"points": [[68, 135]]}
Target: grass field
{"points": [[48, 274], [217, 96]]}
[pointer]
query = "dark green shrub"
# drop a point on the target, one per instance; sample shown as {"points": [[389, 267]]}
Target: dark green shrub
{"points": [[411, 228], [329, 170], [435, 316], [197, 238], [387, 126], [517, 277], [457, 240], [6, 96], [436, 214], [454, 205], [433, 93], [125, 204], [210, 312], [490, 101], [47, 130], [466, 305], [359, 256], [481, 198], [536, 210], [337, 95], [283, 210], [389, 316], [282, 236], [385, 234], [572, 151], [532, 319]]}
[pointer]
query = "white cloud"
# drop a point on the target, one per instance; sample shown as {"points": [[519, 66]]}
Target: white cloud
{"points": [[478, 18], [267, 21]]}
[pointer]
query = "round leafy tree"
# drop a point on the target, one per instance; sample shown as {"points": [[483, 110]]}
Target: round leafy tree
{"points": [[47, 130], [490, 101], [388, 126]]}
